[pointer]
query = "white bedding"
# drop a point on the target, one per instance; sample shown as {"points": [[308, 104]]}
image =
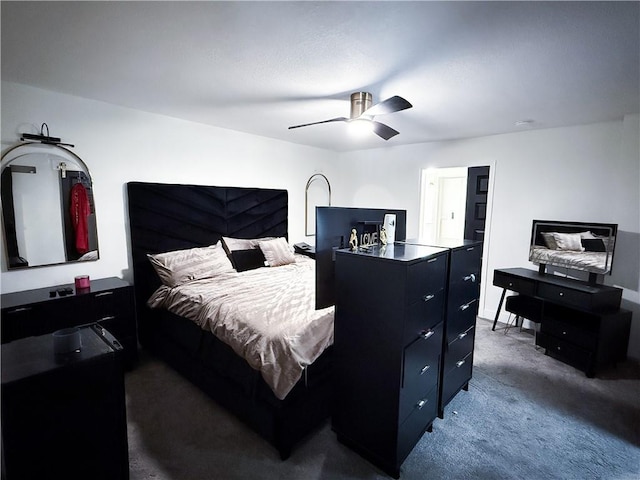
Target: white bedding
{"points": [[266, 315], [598, 262]]}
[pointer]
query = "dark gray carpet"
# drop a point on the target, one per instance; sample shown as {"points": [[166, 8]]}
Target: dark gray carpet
{"points": [[525, 416]]}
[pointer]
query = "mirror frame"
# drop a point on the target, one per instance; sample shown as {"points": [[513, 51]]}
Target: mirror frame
{"points": [[20, 151], [310, 229]]}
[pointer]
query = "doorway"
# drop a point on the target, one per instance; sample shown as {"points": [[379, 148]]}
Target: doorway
{"points": [[443, 203], [453, 203]]}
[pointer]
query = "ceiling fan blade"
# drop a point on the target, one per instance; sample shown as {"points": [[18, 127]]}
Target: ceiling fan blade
{"points": [[390, 105], [384, 131], [337, 119]]}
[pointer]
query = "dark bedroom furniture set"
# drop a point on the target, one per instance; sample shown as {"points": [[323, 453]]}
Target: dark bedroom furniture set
{"points": [[404, 322], [581, 323]]}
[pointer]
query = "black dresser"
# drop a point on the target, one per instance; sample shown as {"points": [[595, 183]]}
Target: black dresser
{"points": [[389, 327], [64, 416], [581, 324], [109, 302], [463, 291]]}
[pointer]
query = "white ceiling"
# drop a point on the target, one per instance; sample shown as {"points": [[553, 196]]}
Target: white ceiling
{"points": [[469, 68]]}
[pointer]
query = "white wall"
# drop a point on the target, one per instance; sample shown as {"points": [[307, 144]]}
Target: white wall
{"points": [[121, 145], [585, 173]]}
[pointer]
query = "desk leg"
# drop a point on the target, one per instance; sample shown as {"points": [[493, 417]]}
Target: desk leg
{"points": [[504, 291]]}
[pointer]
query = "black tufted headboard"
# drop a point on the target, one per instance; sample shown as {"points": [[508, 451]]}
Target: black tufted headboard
{"points": [[165, 217]]}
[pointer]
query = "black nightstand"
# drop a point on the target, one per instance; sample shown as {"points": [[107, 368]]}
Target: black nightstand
{"points": [[64, 416]]}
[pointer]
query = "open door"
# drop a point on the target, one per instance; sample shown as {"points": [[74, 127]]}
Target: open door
{"points": [[476, 211]]}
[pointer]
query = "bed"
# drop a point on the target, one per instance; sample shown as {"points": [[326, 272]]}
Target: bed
{"points": [[231, 349]]}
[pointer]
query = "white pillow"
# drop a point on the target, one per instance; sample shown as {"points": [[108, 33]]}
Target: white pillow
{"points": [[277, 252], [182, 266], [568, 241], [232, 244]]}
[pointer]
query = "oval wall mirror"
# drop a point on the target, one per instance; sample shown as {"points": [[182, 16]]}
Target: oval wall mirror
{"points": [[48, 213]]}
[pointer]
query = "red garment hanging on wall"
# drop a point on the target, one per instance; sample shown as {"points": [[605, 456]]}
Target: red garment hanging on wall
{"points": [[80, 210]]}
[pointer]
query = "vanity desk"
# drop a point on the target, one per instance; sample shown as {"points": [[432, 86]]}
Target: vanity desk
{"points": [[581, 323], [108, 302]]}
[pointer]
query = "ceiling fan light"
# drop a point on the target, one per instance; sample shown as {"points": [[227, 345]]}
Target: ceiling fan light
{"points": [[360, 127]]}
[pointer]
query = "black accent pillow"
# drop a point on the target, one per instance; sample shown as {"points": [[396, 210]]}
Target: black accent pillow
{"points": [[247, 259], [593, 245]]}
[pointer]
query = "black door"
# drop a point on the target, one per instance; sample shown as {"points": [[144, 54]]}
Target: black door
{"points": [[476, 212]]}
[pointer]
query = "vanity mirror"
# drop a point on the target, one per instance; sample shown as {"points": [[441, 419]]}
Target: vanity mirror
{"points": [[48, 214]]}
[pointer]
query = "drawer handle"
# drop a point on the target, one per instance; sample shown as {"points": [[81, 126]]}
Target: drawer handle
{"points": [[431, 260], [558, 348], [562, 294], [21, 309], [459, 363], [421, 404], [467, 305], [104, 294], [426, 298], [108, 317], [462, 335], [564, 333], [511, 284], [425, 334], [471, 249], [471, 277], [424, 369]]}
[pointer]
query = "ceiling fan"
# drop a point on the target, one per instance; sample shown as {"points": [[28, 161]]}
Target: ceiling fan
{"points": [[362, 110]]}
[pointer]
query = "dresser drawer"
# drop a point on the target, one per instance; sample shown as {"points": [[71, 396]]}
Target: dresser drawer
{"points": [[457, 352], [23, 321], [465, 265], [515, 284], [460, 318], [426, 278], [113, 303], [573, 334], [578, 357], [420, 369], [455, 379], [423, 315], [40, 318], [462, 293], [564, 295], [423, 412]]}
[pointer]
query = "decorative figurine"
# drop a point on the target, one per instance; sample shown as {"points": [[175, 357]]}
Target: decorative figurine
{"points": [[353, 239], [383, 236]]}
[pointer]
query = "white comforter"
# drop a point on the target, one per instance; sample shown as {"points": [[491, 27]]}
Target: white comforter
{"points": [[266, 315]]}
